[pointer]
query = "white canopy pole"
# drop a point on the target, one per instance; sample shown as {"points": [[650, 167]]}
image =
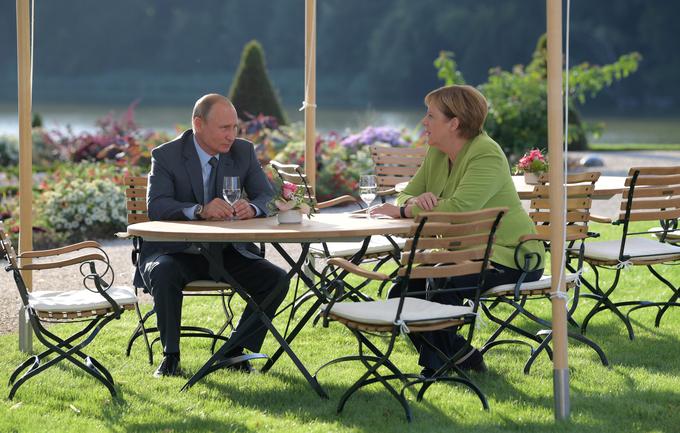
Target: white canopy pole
{"points": [[25, 83], [309, 104], [557, 216]]}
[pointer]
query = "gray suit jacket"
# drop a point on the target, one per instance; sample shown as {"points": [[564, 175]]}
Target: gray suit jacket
{"points": [[176, 182]]}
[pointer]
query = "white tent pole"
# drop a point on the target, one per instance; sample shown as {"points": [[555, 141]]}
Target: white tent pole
{"points": [[557, 215], [309, 104], [25, 81]]}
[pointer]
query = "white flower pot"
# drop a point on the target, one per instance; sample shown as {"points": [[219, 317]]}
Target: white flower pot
{"points": [[532, 178], [293, 216]]}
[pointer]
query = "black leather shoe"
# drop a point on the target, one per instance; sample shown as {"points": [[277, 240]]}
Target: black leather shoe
{"points": [[169, 366], [241, 367]]}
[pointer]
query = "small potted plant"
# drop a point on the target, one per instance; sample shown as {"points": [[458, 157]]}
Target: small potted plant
{"points": [[290, 203], [533, 164]]}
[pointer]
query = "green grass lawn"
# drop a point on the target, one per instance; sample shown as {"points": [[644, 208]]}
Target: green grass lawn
{"points": [[640, 391]]}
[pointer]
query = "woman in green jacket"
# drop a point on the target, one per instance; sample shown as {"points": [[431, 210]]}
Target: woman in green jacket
{"points": [[464, 170]]}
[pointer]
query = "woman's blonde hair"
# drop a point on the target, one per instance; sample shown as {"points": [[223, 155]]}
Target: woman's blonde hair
{"points": [[464, 102]]}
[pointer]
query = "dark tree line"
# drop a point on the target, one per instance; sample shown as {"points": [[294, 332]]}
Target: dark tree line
{"points": [[370, 52]]}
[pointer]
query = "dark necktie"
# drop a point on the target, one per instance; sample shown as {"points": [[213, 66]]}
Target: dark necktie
{"points": [[211, 180]]}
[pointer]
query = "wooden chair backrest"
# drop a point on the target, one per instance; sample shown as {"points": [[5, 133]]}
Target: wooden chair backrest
{"points": [[579, 192], [135, 194], [294, 174], [653, 194], [450, 244], [394, 165], [6, 248]]}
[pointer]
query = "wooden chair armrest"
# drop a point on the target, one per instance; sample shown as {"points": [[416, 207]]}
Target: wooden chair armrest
{"points": [[336, 201], [357, 270], [390, 191], [63, 263], [600, 219], [534, 237], [61, 250]]}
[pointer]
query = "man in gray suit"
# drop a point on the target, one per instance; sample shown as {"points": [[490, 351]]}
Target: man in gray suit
{"points": [[185, 184]]}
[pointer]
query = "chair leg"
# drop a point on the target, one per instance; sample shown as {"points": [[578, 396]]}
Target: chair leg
{"points": [[672, 301], [229, 318], [603, 302], [493, 341], [372, 370], [90, 366], [141, 330], [441, 375]]}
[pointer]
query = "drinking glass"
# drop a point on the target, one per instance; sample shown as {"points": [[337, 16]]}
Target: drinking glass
{"points": [[367, 190], [231, 191]]}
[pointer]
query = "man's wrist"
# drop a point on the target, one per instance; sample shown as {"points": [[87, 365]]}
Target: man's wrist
{"points": [[402, 211], [198, 210]]}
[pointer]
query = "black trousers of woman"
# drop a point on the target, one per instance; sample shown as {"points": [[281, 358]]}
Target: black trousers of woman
{"points": [[448, 340]]}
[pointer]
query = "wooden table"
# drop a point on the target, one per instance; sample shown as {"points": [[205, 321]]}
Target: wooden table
{"points": [[320, 228], [605, 188]]}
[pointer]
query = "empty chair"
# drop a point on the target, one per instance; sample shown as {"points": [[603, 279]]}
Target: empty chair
{"points": [[579, 189], [94, 305], [379, 251], [652, 195], [395, 165]]}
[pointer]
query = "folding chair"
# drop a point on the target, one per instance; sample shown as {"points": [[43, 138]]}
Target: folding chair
{"points": [[440, 246], [379, 251], [578, 190], [394, 165], [96, 304], [137, 212], [652, 194]]}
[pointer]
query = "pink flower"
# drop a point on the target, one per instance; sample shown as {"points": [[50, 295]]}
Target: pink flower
{"points": [[536, 154], [288, 190]]}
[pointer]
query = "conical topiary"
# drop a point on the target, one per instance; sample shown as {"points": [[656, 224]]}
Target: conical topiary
{"points": [[252, 91]]}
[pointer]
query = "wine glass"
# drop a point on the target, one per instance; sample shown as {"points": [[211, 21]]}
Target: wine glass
{"points": [[367, 190], [231, 191]]}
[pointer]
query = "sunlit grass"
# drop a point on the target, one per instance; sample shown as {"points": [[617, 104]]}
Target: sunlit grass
{"points": [[639, 392]]}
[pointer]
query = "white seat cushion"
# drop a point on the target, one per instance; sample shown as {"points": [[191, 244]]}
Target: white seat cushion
{"points": [[542, 284], [635, 246], [207, 284], [378, 244], [657, 231], [384, 312], [79, 300]]}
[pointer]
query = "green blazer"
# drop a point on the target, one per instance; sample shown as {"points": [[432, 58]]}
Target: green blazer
{"points": [[479, 179]]}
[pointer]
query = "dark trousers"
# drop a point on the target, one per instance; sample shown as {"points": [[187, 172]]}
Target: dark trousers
{"points": [[165, 275], [448, 340]]}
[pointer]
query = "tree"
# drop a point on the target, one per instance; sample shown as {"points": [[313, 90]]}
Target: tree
{"points": [[251, 91], [518, 99]]}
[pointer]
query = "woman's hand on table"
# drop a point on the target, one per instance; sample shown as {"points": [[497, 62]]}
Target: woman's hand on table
{"points": [[386, 209], [426, 201]]}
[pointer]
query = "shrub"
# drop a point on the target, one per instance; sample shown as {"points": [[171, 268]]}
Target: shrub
{"points": [[87, 202], [9, 150], [251, 91]]}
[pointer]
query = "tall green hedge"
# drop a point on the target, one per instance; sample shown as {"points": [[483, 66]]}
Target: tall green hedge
{"points": [[252, 91]]}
